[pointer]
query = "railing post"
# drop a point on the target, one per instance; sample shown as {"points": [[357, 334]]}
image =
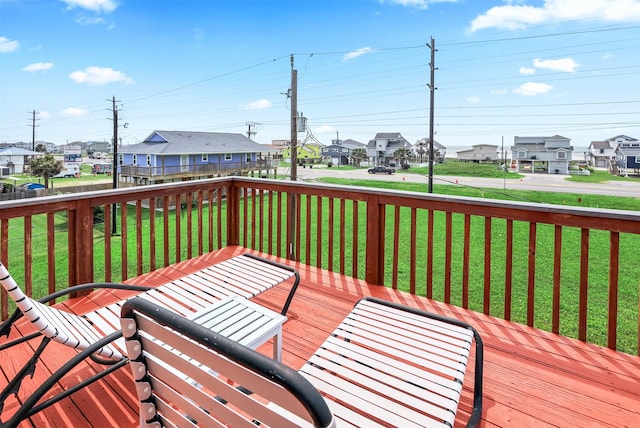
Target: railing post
{"points": [[374, 255], [233, 214], [81, 244]]}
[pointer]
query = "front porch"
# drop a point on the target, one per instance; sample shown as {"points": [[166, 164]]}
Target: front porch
{"points": [[531, 377]]}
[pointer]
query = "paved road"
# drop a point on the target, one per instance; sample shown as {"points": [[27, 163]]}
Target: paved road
{"points": [[543, 182]]}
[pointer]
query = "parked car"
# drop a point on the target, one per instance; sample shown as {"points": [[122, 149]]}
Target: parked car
{"points": [[68, 170], [381, 170]]}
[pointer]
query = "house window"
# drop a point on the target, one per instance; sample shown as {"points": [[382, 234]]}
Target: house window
{"points": [[561, 155], [205, 158], [148, 160], [522, 154], [601, 151], [135, 159], [248, 158], [227, 156]]}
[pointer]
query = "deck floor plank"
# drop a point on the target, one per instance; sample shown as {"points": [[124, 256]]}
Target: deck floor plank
{"points": [[532, 378]]}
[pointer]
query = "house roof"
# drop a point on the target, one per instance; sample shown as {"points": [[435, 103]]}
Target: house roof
{"points": [[425, 141], [353, 144], [622, 137], [396, 140], [16, 151], [187, 142], [600, 145], [628, 151]]}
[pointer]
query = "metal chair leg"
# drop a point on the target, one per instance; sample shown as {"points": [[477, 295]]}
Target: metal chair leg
{"points": [[27, 370]]}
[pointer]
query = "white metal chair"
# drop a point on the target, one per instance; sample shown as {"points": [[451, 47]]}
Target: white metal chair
{"points": [[96, 335], [385, 365]]}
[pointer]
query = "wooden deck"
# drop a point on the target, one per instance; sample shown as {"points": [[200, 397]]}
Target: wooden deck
{"points": [[531, 378]]}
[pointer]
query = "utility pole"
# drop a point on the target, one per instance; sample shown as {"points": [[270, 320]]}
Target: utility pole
{"points": [[33, 131], [291, 230], [252, 129], [294, 122], [432, 88], [114, 173]]}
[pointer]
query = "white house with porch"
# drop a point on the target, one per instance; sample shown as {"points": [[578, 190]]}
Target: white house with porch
{"points": [[541, 154]]}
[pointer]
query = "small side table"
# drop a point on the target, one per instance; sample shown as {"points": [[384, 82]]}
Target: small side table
{"points": [[243, 321]]}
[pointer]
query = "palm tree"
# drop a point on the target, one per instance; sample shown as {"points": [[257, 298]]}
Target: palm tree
{"points": [[358, 155], [402, 157], [46, 166], [420, 149]]}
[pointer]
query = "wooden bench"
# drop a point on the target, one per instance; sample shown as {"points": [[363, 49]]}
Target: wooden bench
{"points": [[384, 365]]}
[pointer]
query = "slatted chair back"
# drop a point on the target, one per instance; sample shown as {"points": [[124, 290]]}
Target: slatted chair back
{"points": [[186, 374], [60, 326]]}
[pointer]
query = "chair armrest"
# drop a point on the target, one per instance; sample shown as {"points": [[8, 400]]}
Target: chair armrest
{"points": [[92, 285]]}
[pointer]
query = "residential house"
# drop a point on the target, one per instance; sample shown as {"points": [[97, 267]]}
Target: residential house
{"points": [[167, 156], [422, 148], [627, 155], [339, 152], [479, 153], [600, 154], [547, 154], [98, 147], [382, 148], [13, 160]]}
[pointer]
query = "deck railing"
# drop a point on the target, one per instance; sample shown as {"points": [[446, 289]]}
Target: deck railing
{"points": [[571, 271]]}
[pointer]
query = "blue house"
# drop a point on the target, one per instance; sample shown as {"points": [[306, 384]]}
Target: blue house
{"points": [[166, 156], [627, 155]]}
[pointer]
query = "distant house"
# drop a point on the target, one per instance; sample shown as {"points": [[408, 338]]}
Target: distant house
{"points": [[548, 154], [166, 156], [13, 160], [307, 152], [627, 155], [98, 147], [479, 153], [422, 150], [339, 152], [382, 148], [600, 154]]}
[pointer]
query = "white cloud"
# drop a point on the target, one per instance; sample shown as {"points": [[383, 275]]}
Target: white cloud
{"points": [[73, 112], [533, 88], [85, 20], [498, 91], [324, 129], [567, 65], [355, 54], [608, 56], [99, 76], [38, 66], [420, 4], [258, 104], [527, 71], [8, 45], [100, 6], [473, 100], [515, 17]]}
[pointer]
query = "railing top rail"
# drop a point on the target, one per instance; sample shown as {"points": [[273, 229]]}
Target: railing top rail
{"points": [[546, 213]]}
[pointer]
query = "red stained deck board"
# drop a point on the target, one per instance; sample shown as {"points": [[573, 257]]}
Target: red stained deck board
{"points": [[532, 378]]}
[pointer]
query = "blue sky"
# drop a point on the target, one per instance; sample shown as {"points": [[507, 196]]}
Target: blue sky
{"points": [[504, 68]]}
